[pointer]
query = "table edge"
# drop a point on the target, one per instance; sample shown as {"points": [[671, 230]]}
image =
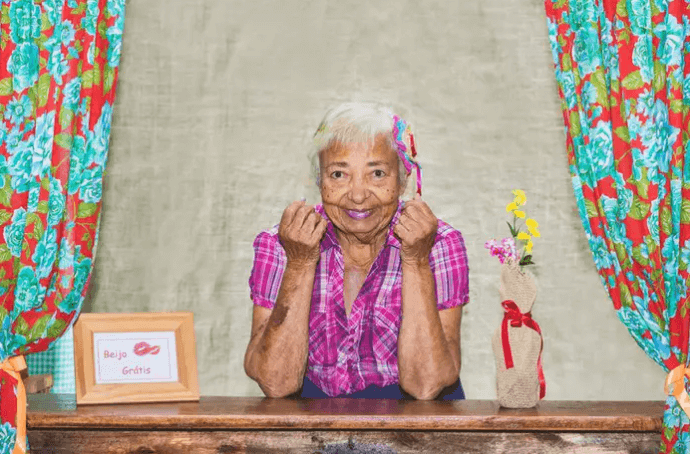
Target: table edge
{"points": [[635, 416]]}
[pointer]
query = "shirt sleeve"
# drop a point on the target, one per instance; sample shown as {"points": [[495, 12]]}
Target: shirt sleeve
{"points": [[268, 269], [448, 261]]}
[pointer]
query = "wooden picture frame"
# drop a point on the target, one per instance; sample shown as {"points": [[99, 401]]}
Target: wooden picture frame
{"points": [[115, 377]]}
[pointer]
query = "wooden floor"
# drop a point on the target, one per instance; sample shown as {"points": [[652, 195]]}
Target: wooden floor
{"points": [[237, 425]]}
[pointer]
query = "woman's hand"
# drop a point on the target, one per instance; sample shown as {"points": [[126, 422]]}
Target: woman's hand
{"points": [[416, 230], [301, 230]]}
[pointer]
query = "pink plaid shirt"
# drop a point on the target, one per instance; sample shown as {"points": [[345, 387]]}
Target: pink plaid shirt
{"points": [[348, 354]]}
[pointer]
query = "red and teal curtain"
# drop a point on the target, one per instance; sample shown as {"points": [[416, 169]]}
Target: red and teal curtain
{"points": [[622, 71], [58, 71]]}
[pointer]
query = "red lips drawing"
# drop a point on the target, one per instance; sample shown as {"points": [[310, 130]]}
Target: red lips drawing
{"points": [[143, 348]]}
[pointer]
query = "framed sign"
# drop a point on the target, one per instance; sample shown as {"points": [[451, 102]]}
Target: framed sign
{"points": [[146, 357]]}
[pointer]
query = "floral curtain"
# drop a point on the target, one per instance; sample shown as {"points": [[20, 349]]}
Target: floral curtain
{"points": [[622, 72], [58, 73]]}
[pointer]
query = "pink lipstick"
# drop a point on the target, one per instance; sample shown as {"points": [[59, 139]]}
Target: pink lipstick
{"points": [[358, 214]]}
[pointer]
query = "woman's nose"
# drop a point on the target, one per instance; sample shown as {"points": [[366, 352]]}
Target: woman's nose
{"points": [[358, 191]]}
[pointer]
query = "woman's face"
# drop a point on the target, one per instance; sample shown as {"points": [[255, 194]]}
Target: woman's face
{"points": [[359, 187]]}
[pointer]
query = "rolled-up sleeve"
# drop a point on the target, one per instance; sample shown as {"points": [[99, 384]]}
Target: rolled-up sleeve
{"points": [[268, 269], [448, 261]]}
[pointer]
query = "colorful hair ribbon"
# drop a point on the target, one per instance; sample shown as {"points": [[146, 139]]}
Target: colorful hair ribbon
{"points": [[404, 141]]}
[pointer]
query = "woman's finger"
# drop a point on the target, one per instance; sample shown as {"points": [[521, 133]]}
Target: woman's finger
{"points": [[426, 210], [420, 206], [321, 227], [411, 220], [289, 213], [310, 222], [412, 207], [301, 215], [401, 229]]}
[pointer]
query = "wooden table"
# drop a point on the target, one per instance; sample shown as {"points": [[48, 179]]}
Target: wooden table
{"points": [[237, 425]]}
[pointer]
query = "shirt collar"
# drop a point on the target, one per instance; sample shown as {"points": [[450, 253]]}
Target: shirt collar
{"points": [[331, 240]]}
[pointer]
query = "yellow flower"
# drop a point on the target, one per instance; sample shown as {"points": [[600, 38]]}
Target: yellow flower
{"points": [[533, 227], [520, 197], [518, 213], [528, 247], [523, 236], [512, 206]]}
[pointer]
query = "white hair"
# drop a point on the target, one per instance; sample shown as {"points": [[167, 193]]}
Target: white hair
{"points": [[354, 122]]}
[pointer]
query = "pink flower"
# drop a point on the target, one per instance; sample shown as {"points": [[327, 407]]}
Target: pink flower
{"points": [[504, 250], [510, 248]]}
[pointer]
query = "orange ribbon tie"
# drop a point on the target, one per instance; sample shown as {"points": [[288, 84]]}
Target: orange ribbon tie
{"points": [[14, 366], [675, 387]]}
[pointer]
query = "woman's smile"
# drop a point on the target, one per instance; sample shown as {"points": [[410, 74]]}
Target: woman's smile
{"points": [[358, 214]]}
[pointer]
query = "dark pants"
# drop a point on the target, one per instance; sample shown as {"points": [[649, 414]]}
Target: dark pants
{"points": [[311, 391]]}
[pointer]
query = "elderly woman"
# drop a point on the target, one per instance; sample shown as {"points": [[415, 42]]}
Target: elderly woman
{"points": [[362, 295]]}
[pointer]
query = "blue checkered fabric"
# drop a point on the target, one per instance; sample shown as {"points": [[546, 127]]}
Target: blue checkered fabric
{"points": [[58, 361]]}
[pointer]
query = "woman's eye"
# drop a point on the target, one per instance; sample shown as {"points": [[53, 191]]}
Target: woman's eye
{"points": [[337, 174], [379, 173]]}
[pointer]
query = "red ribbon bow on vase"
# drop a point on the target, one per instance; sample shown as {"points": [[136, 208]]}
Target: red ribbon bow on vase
{"points": [[516, 320]]}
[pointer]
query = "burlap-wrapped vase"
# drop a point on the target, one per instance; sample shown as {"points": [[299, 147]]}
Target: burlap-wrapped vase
{"points": [[518, 387]]}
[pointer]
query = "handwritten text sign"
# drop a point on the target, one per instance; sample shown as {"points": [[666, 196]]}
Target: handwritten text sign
{"points": [[146, 357]]}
